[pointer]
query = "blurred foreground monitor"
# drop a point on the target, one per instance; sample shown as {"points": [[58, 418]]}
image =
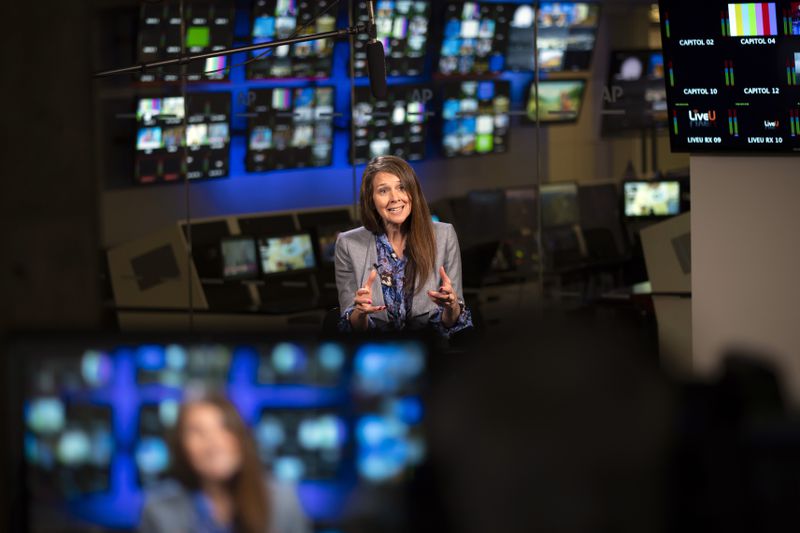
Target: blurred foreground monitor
{"points": [[96, 415]]}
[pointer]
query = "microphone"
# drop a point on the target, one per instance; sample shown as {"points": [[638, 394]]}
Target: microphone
{"points": [[376, 59]]}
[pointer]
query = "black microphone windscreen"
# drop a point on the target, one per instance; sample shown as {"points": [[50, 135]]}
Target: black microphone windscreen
{"points": [[376, 67]]}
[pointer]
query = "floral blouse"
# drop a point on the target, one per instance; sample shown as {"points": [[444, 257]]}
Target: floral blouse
{"points": [[398, 298]]}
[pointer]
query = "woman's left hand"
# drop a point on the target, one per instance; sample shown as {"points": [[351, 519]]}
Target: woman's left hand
{"points": [[447, 298]]}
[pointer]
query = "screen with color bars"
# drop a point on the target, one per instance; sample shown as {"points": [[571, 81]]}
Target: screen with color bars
{"points": [[753, 20]]}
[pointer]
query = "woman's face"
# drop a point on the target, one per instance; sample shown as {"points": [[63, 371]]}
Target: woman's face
{"points": [[391, 199], [212, 449]]}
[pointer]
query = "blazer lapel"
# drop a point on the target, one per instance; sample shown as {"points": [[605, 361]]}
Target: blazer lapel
{"points": [[370, 258], [422, 304]]}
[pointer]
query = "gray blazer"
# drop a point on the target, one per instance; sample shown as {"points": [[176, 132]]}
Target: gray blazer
{"points": [[356, 254], [168, 508]]}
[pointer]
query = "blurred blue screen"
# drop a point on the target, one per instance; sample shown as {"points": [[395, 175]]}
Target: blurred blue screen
{"points": [[325, 415]]}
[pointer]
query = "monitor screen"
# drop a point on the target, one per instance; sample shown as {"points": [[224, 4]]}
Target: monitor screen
{"points": [[394, 126], [636, 94], [487, 214], [402, 27], [326, 240], [209, 28], [301, 443], [521, 211], [387, 384], [151, 449], [164, 153], [68, 445], [239, 258], [475, 117], [599, 206], [324, 415], [732, 75], [652, 198], [174, 366], [475, 37], [567, 33], [285, 254], [560, 101], [559, 205], [280, 19], [290, 128], [288, 363]]}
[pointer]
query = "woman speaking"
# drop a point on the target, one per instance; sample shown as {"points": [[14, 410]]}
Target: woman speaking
{"points": [[400, 270]]}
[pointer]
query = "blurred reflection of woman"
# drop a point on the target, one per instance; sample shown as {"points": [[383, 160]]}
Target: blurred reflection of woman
{"points": [[400, 270], [219, 484]]}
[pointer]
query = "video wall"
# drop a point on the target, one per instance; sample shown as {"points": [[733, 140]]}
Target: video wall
{"points": [[402, 28], [166, 150], [289, 107], [476, 117], [281, 19], [209, 27], [394, 126], [290, 128], [732, 73], [326, 416]]}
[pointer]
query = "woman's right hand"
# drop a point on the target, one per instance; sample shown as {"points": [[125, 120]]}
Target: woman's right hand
{"points": [[363, 307]]}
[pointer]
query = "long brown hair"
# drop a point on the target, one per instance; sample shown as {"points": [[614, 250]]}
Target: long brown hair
{"points": [[418, 227], [247, 488]]}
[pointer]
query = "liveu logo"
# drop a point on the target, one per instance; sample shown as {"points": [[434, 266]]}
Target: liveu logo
{"points": [[702, 118], [707, 116]]}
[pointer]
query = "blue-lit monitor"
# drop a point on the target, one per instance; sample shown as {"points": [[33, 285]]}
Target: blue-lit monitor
{"points": [[302, 444], [290, 128], [164, 153], [288, 363], [475, 38], [402, 28], [567, 33], [280, 19], [209, 28], [475, 117], [388, 380], [324, 415], [394, 126], [68, 445], [176, 366], [151, 449]]}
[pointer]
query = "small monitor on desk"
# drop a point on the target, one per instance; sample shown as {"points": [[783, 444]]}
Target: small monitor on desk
{"points": [[650, 199], [521, 210], [239, 258], [326, 240], [559, 204], [286, 254]]}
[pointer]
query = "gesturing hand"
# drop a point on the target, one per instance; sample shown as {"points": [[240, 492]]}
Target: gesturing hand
{"points": [[446, 294], [447, 298], [363, 304]]}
